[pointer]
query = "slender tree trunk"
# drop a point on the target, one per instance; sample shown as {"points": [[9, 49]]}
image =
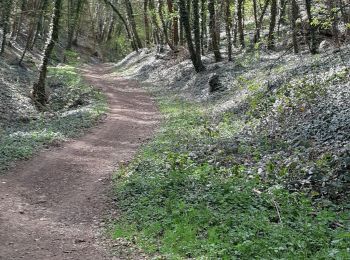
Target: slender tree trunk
{"points": [[345, 16], [164, 25], [334, 17], [240, 28], [197, 31], [228, 17], [282, 18], [6, 13], [204, 32], [130, 13], [256, 20], [185, 21], [215, 38], [40, 21], [157, 35], [29, 40], [18, 21], [260, 22], [182, 36], [173, 9], [312, 38], [111, 29], [39, 92], [134, 45], [76, 7], [235, 24], [146, 21], [273, 17], [294, 17]]}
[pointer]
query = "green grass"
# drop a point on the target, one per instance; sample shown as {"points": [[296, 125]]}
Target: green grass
{"points": [[181, 199], [61, 121]]}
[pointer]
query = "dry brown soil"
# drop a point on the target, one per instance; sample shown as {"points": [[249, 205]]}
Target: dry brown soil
{"points": [[54, 205]]}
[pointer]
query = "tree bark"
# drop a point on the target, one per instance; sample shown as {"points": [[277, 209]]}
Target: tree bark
{"points": [[273, 18], [312, 38], [39, 91], [294, 17], [204, 31], [131, 17], [240, 22], [185, 21], [6, 7], [134, 45], [228, 18], [215, 38], [73, 19], [40, 21], [146, 21], [260, 22], [164, 25], [175, 26], [196, 28]]}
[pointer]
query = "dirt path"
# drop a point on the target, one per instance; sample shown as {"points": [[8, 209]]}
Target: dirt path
{"points": [[52, 206]]}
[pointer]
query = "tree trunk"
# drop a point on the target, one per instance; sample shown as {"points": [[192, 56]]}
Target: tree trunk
{"points": [[164, 25], [312, 38], [76, 7], [282, 18], [228, 19], [6, 7], [215, 38], [240, 28], [146, 21], [334, 17], [204, 31], [197, 31], [256, 20], [294, 18], [131, 39], [185, 21], [260, 22], [39, 92], [130, 13], [18, 21], [40, 21], [175, 28], [156, 31], [273, 17], [345, 16]]}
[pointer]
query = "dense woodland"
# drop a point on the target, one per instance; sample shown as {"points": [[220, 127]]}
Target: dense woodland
{"points": [[114, 28], [252, 157]]}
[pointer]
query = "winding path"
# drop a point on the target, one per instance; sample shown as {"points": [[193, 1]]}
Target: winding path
{"points": [[53, 206]]}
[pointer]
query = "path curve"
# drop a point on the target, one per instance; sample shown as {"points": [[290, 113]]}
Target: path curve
{"points": [[52, 206]]}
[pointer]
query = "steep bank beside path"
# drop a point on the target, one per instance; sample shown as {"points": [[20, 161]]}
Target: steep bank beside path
{"points": [[52, 206]]}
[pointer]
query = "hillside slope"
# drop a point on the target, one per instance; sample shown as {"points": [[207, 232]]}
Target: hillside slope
{"points": [[259, 167]]}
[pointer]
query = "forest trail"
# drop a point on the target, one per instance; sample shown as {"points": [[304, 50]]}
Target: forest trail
{"points": [[53, 205]]}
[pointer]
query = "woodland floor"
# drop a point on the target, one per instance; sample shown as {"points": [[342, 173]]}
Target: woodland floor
{"points": [[54, 205]]}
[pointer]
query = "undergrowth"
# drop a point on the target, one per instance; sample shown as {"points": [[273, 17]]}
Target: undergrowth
{"points": [[73, 107], [187, 195]]}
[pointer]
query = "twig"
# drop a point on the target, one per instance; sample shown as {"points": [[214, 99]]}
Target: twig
{"points": [[277, 210]]}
